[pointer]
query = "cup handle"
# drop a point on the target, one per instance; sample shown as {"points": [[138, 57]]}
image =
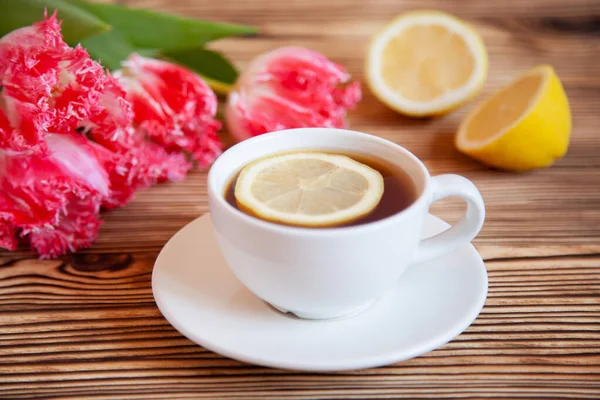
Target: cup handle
{"points": [[464, 230]]}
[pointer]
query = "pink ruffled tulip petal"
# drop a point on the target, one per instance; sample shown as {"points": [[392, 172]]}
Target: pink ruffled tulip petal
{"points": [[173, 106], [47, 86], [48, 202], [69, 146], [290, 87]]}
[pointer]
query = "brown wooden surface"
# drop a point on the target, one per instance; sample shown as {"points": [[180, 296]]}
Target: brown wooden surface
{"points": [[87, 326]]}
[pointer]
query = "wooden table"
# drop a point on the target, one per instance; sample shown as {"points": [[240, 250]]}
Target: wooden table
{"points": [[86, 326]]}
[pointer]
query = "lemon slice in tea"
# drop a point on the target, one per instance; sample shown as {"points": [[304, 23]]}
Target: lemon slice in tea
{"points": [[308, 189]]}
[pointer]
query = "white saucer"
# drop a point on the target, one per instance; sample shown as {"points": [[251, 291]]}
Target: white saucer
{"points": [[198, 294]]}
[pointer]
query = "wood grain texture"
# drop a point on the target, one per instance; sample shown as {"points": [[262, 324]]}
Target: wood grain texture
{"points": [[87, 327]]}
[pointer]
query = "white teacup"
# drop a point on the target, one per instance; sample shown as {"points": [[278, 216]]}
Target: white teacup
{"points": [[334, 272]]}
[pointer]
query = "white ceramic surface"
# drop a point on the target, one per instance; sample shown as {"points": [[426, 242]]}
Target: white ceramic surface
{"points": [[328, 273], [431, 304]]}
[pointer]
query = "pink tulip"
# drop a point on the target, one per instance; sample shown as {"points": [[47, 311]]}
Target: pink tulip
{"points": [[290, 87]]}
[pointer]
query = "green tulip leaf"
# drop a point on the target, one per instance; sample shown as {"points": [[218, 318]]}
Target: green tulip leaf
{"points": [[109, 48], [153, 30], [77, 23], [212, 66], [208, 63]]}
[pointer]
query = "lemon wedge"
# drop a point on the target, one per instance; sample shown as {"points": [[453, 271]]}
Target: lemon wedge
{"points": [[524, 126], [426, 63], [308, 189]]}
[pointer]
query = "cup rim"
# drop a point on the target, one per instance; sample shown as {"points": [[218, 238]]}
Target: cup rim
{"points": [[287, 229]]}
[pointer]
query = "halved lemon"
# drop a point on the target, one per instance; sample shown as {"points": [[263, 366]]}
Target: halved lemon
{"points": [[308, 189], [524, 126], [426, 63]]}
